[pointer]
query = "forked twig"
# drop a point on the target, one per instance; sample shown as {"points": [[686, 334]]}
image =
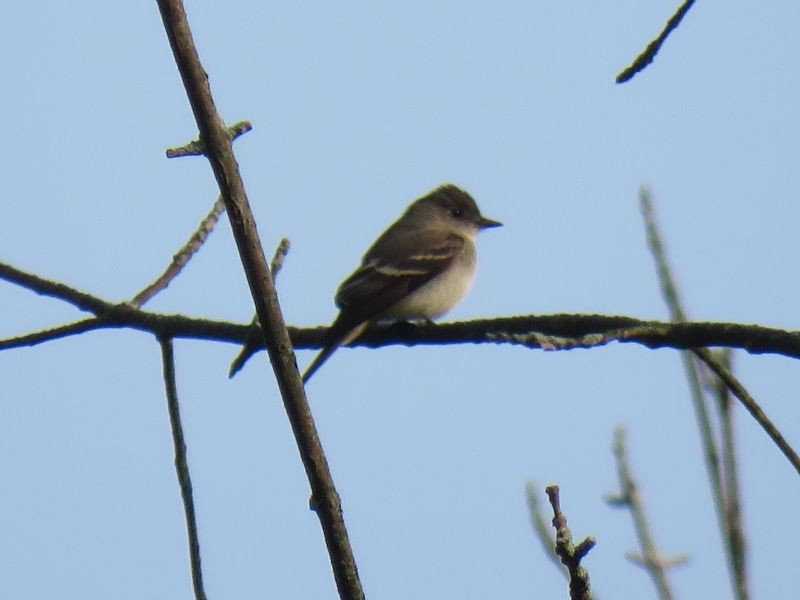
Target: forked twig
{"points": [[650, 558]]}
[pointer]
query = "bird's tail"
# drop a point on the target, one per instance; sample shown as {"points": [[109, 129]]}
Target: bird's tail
{"points": [[342, 339]]}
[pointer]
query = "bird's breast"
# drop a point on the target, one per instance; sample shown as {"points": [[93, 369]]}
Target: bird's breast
{"points": [[436, 297]]}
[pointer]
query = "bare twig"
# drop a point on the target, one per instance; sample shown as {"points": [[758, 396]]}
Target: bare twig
{"points": [[691, 367], [54, 333], [54, 289], [649, 53], [650, 558], [219, 151], [182, 466], [541, 529], [183, 255], [722, 474], [738, 390], [733, 508], [570, 555], [197, 148], [280, 254], [256, 342]]}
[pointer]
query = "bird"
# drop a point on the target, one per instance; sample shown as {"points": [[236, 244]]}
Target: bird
{"points": [[417, 270]]}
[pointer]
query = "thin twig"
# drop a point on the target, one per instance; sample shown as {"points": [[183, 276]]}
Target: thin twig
{"points": [[182, 257], [650, 558], [182, 465], [197, 148], [722, 474], [256, 341], [646, 57], [280, 254], [54, 289], [54, 333], [570, 555], [219, 151], [693, 374], [738, 390], [541, 528], [733, 508]]}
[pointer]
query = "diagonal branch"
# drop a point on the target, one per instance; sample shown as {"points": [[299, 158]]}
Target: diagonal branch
{"points": [[722, 474], [218, 149], [738, 390], [256, 342], [182, 257], [629, 497], [733, 508], [54, 289], [649, 53], [692, 368]]}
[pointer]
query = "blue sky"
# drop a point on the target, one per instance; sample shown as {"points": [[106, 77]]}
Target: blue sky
{"points": [[358, 108]]}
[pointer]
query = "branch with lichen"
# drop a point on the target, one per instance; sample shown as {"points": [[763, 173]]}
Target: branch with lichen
{"points": [[570, 554], [550, 332]]}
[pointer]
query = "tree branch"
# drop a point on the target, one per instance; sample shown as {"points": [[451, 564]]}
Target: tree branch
{"points": [[692, 368], [650, 558], [570, 554], [256, 341], [217, 144], [722, 474], [733, 507], [182, 466], [197, 148], [649, 53], [541, 529], [553, 332], [182, 257]]}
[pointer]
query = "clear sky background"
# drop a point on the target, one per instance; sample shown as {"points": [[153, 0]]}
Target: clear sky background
{"points": [[358, 108]]}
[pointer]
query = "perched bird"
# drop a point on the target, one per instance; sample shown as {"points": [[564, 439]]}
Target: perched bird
{"points": [[418, 269]]}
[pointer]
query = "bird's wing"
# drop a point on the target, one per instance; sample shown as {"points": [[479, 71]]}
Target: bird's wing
{"points": [[392, 271]]}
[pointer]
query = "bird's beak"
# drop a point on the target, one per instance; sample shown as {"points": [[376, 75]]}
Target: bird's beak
{"points": [[484, 223]]}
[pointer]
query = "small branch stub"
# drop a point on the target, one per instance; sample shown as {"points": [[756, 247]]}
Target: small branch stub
{"points": [[198, 148], [570, 554]]}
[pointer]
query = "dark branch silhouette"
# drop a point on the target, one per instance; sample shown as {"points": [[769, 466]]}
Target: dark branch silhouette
{"points": [[551, 332], [649, 53], [255, 342], [217, 144]]}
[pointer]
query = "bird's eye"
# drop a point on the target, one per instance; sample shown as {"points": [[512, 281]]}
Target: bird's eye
{"points": [[457, 213]]}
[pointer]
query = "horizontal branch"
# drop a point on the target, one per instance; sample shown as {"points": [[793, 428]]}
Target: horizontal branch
{"points": [[552, 332], [549, 332]]}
